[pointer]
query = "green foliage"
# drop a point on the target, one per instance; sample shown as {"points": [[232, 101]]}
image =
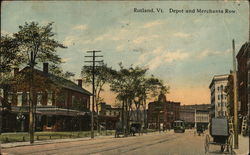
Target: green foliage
{"points": [[57, 70], [36, 43], [132, 84], [103, 75], [9, 54]]}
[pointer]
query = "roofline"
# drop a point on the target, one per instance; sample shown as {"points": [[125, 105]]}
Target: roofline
{"points": [[210, 85]]}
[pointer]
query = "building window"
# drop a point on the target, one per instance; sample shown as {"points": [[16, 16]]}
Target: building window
{"points": [[218, 97], [49, 98], [39, 99], [19, 99], [73, 99], [10, 96], [27, 98]]}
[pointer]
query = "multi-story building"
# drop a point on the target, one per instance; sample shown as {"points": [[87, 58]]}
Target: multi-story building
{"points": [[201, 117], [108, 116], [242, 59], [187, 114], [195, 114], [162, 113], [60, 104], [218, 96]]}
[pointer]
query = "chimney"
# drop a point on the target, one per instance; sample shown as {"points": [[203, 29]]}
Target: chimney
{"points": [[79, 82], [16, 70], [45, 68]]}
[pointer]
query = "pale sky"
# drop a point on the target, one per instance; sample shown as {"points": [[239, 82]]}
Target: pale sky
{"points": [[185, 50]]}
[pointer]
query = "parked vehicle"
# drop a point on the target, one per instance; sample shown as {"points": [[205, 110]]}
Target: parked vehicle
{"points": [[219, 131], [135, 128], [179, 126], [199, 129]]}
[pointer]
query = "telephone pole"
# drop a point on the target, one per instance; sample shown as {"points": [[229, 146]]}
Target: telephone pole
{"points": [[236, 138], [93, 62]]}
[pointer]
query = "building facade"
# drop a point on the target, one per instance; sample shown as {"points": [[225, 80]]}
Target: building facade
{"points": [[60, 104], [218, 96], [108, 116], [187, 114], [162, 113], [195, 114], [242, 59]]}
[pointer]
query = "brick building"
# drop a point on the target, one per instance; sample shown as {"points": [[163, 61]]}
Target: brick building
{"points": [[108, 116], [61, 105], [162, 113], [242, 58]]}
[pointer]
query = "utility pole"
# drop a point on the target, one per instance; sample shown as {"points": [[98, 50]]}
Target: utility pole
{"points": [[32, 98], [248, 93], [248, 77], [93, 56], [236, 138]]}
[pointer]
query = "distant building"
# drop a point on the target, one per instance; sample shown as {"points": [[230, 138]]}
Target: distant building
{"points": [[108, 116], [162, 113], [61, 105], [195, 114], [187, 114], [242, 59], [218, 96], [201, 117]]}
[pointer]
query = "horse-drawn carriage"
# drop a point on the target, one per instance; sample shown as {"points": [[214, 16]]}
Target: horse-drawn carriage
{"points": [[133, 129], [219, 131]]}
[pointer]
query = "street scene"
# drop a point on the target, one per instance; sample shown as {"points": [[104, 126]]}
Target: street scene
{"points": [[152, 143], [124, 77]]}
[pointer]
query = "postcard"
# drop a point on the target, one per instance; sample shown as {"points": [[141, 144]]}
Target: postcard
{"points": [[124, 77]]}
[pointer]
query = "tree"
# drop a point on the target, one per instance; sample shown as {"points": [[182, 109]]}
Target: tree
{"points": [[9, 57], [103, 76], [57, 70], [132, 87], [9, 54], [36, 44]]}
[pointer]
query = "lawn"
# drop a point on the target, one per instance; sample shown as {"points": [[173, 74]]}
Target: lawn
{"points": [[22, 137]]}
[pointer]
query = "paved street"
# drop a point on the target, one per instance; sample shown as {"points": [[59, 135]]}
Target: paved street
{"points": [[167, 143]]}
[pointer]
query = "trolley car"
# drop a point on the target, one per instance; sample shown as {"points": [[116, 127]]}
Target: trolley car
{"points": [[179, 126], [219, 131]]}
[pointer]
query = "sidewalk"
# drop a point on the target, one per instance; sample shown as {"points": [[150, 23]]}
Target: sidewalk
{"points": [[41, 142], [243, 146]]}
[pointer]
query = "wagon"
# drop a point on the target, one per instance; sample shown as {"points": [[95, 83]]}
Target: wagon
{"points": [[219, 133], [118, 129]]}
